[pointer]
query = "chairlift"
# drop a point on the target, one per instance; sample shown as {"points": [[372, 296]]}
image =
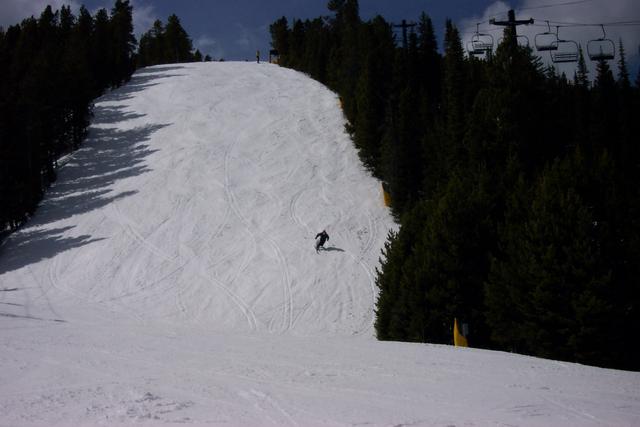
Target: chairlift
{"points": [[602, 48], [480, 44], [478, 49], [564, 51], [546, 41], [472, 50], [523, 40]]}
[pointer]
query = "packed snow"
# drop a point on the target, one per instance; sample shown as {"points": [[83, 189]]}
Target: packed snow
{"points": [[170, 276]]}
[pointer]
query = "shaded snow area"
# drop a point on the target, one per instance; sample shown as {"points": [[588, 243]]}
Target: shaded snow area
{"points": [[169, 276]]}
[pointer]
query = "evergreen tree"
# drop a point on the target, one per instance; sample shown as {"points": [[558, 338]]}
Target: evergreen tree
{"points": [[144, 57], [177, 44], [344, 58], [623, 72], [152, 46], [604, 77], [157, 49], [515, 91], [316, 49], [296, 45], [387, 279], [434, 268], [430, 67], [430, 99], [406, 181], [579, 107], [52, 68], [168, 44], [123, 42], [280, 39], [604, 117], [524, 224], [582, 74], [77, 86], [554, 293], [453, 93], [101, 52], [401, 151], [372, 91]]}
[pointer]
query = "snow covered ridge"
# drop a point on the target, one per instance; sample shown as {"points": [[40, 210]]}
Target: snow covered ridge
{"points": [[170, 276]]}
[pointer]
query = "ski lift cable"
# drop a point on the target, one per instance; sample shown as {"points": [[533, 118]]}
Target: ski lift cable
{"points": [[546, 6], [560, 24], [473, 26], [566, 23], [583, 24]]}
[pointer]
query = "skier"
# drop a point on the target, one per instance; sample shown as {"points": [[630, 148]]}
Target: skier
{"points": [[320, 239]]}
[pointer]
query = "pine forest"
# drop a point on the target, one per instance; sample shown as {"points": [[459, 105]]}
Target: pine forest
{"points": [[516, 189], [53, 67]]}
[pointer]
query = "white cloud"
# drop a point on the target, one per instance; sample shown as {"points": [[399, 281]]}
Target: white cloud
{"points": [[144, 16], [480, 24], [588, 12], [245, 37], [14, 11], [209, 46], [250, 38]]}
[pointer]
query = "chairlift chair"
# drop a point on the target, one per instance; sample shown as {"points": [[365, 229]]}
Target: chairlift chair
{"points": [[602, 48], [480, 44], [472, 50], [482, 41], [546, 41], [564, 51], [523, 40]]}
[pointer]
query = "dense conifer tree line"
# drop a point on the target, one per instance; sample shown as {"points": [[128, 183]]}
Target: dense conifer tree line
{"points": [[166, 44], [52, 68], [516, 188]]}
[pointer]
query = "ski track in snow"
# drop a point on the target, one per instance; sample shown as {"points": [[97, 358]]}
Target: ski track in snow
{"points": [[170, 276]]}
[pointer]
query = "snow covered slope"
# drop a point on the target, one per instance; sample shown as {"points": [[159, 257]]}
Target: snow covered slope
{"points": [[169, 276]]}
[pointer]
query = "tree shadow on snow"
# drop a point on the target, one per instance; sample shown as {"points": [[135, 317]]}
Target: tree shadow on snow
{"points": [[28, 247], [85, 182], [155, 69], [103, 115], [140, 81]]}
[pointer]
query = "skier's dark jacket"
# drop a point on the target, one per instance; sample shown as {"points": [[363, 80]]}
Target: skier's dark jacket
{"points": [[323, 237]]}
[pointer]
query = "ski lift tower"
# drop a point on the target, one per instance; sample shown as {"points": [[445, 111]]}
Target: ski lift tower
{"points": [[510, 25], [404, 27]]}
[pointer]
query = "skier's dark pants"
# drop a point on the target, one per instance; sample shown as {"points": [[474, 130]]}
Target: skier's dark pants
{"points": [[320, 243]]}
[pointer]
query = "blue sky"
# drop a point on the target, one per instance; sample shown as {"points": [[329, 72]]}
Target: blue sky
{"points": [[235, 29]]}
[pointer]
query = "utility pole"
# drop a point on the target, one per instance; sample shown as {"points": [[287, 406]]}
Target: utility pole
{"points": [[404, 27], [511, 24]]}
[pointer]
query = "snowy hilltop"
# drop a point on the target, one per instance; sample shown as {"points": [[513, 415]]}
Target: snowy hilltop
{"points": [[170, 276]]}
